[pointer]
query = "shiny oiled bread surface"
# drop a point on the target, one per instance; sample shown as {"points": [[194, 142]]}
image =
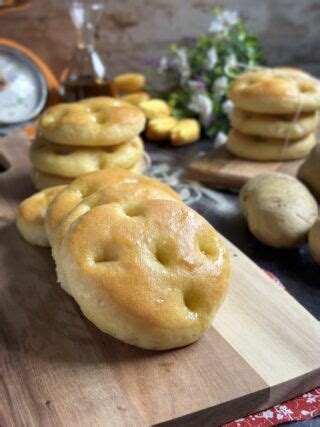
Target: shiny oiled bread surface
{"points": [[276, 91], [31, 216], [98, 121], [152, 273], [122, 192], [87, 185]]}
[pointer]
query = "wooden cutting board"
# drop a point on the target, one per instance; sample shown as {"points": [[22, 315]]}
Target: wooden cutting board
{"points": [[58, 369], [220, 169]]}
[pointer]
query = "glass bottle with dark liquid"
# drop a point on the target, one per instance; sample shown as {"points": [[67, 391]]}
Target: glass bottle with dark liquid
{"points": [[86, 74]]}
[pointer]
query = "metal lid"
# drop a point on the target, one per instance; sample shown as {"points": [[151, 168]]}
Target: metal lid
{"points": [[23, 88]]}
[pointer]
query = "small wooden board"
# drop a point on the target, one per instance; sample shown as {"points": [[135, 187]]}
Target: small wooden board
{"points": [[220, 169], [58, 369]]}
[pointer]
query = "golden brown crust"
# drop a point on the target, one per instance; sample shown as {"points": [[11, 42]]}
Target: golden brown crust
{"points": [[31, 215], [98, 121], [274, 126], [276, 91], [267, 149], [72, 161], [129, 83], [155, 108], [153, 276], [186, 131], [136, 98], [159, 128], [88, 184], [122, 192]]}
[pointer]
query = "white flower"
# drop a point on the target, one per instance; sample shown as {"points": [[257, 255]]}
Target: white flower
{"points": [[221, 24], [181, 64], [201, 104], [230, 17], [279, 417], [163, 64], [212, 58], [231, 62], [227, 107], [196, 86], [220, 139], [220, 87], [267, 414]]}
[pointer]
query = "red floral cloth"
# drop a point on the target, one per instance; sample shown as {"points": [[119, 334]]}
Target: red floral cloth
{"points": [[301, 408]]}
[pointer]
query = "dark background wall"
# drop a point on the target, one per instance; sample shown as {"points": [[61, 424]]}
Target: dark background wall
{"points": [[132, 31]]}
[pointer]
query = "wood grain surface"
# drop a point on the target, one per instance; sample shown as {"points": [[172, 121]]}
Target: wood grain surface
{"points": [[58, 369], [220, 169]]}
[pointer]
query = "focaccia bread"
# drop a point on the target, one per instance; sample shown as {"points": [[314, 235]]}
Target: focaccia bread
{"points": [[276, 91], [151, 273], [94, 122], [31, 216], [88, 184]]}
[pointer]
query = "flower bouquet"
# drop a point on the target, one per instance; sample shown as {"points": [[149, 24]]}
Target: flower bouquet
{"points": [[196, 78]]}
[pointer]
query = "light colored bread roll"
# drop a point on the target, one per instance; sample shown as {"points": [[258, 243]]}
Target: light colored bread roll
{"points": [[159, 128], [129, 83], [95, 122], [274, 126], [155, 108], [309, 171], [186, 131], [71, 161], [136, 98], [276, 91], [31, 216], [314, 240], [279, 209], [42, 180], [151, 273], [88, 184], [117, 193], [266, 149]]}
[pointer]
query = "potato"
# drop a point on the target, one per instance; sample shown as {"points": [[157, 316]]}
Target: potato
{"points": [[279, 209], [309, 171], [314, 240]]}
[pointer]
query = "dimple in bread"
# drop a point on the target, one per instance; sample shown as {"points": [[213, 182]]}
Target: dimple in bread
{"points": [[98, 121], [122, 192], [71, 162], [31, 216], [88, 184], [151, 273], [276, 91]]}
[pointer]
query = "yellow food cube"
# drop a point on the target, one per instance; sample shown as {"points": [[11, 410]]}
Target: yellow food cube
{"points": [[129, 83], [185, 131], [136, 98], [155, 108], [159, 128]]}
